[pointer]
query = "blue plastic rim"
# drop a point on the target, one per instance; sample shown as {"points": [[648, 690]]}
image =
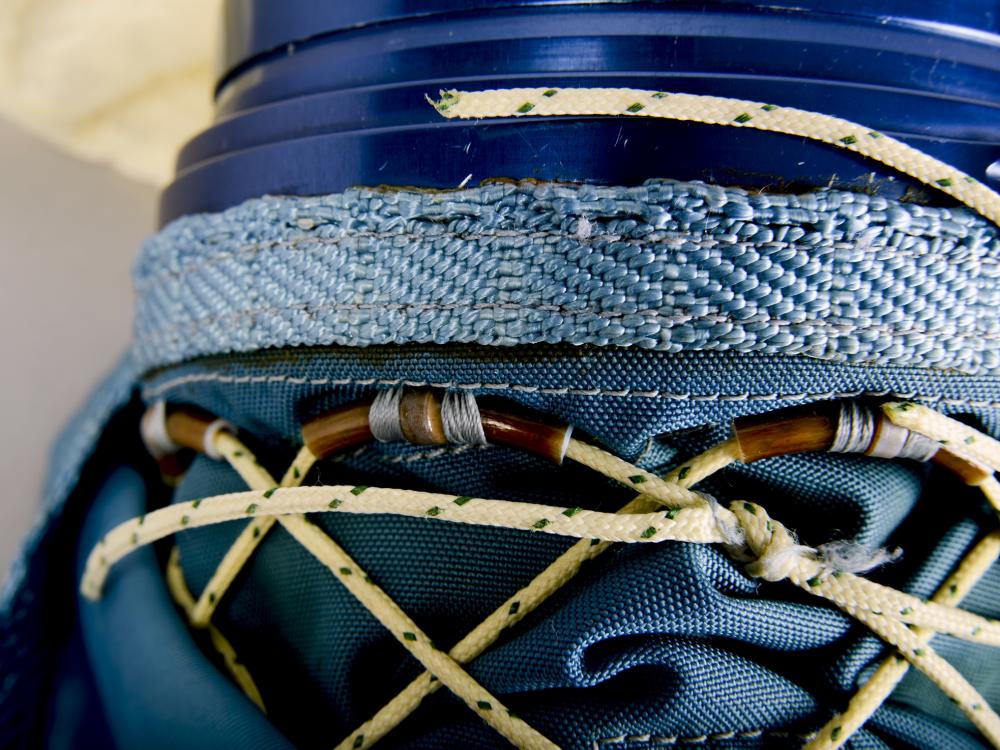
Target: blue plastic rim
{"points": [[314, 97]]}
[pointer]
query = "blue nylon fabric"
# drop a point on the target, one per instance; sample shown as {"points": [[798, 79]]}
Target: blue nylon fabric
{"points": [[264, 412], [898, 723], [648, 643], [27, 646], [670, 266], [69, 453], [670, 641], [159, 690]]}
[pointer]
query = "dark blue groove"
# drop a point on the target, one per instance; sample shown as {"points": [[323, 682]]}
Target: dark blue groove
{"points": [[316, 97]]}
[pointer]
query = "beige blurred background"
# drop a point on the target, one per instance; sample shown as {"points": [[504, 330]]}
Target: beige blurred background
{"points": [[68, 233], [97, 89]]}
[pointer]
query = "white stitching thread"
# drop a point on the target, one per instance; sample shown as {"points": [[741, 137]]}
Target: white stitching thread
{"points": [[654, 315], [700, 739], [312, 244], [154, 391], [432, 454]]}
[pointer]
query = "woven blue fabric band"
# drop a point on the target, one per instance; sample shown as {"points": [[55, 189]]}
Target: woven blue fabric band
{"points": [[669, 266]]}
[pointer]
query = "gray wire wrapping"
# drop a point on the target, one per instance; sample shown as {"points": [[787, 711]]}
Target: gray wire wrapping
{"points": [[856, 433], [383, 417], [461, 419]]}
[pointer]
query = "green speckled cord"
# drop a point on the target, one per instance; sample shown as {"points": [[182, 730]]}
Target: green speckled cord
{"points": [[902, 621], [769, 550], [717, 110]]}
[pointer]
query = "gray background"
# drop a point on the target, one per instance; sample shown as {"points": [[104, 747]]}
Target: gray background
{"points": [[68, 233]]}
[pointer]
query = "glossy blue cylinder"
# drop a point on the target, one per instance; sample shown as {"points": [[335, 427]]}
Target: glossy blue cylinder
{"points": [[314, 97]]}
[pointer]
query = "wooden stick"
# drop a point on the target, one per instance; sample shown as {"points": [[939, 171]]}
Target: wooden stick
{"points": [[341, 429], [797, 429]]}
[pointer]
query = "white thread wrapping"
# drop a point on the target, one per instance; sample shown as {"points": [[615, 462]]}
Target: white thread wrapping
{"points": [[208, 440], [461, 420], [855, 429], [857, 433], [889, 442], [916, 446], [153, 429], [383, 417]]}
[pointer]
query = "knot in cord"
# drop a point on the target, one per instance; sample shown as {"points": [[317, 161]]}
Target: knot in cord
{"points": [[748, 533], [774, 553]]}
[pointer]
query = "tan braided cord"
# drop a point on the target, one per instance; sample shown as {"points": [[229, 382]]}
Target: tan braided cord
{"points": [[541, 587], [973, 444], [776, 555], [959, 437], [182, 595], [881, 684], [880, 613], [771, 549], [715, 110], [696, 525], [665, 510], [376, 601], [248, 540], [687, 524]]}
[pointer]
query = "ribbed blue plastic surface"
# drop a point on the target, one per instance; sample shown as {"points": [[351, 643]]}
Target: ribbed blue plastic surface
{"points": [[314, 97]]}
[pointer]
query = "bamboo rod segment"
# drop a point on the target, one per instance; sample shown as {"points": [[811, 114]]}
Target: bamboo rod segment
{"points": [[968, 471], [546, 439], [797, 429], [420, 416], [845, 427], [341, 429], [421, 423], [188, 426]]}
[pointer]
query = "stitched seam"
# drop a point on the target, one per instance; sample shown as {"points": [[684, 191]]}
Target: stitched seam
{"points": [[235, 317], [155, 391], [700, 739], [684, 241], [453, 450], [448, 450], [872, 358]]}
